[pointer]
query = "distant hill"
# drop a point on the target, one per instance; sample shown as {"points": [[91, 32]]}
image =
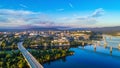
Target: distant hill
{"points": [[43, 28], [103, 29], [106, 29], [29, 29]]}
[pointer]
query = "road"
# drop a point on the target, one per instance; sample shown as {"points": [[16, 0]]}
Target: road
{"points": [[32, 62]]}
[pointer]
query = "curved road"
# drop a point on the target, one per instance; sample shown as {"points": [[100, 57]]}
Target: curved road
{"points": [[32, 62]]}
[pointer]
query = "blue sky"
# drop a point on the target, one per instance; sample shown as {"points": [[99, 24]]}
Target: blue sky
{"points": [[68, 13]]}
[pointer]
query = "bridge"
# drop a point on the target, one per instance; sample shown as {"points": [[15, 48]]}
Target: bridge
{"points": [[104, 44], [32, 62]]}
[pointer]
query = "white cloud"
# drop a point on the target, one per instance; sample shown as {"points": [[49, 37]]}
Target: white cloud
{"points": [[87, 20], [82, 21], [10, 17], [98, 12], [70, 4], [60, 9], [13, 18], [24, 6], [91, 19], [15, 12]]}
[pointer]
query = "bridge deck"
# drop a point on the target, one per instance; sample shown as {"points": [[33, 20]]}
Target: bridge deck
{"points": [[32, 62]]}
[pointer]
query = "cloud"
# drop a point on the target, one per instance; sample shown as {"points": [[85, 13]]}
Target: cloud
{"points": [[15, 18], [44, 23], [3, 19], [82, 21], [70, 4], [91, 19], [60, 9], [87, 21], [15, 12], [10, 16], [64, 18], [98, 12], [24, 6]]}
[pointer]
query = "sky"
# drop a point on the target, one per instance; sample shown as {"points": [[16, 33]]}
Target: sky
{"points": [[62, 13]]}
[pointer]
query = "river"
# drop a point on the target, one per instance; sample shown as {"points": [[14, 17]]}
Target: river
{"points": [[88, 57]]}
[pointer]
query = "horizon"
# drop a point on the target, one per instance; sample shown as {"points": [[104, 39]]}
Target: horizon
{"points": [[64, 13], [59, 33]]}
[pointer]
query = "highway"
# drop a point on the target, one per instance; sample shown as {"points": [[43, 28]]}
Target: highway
{"points": [[32, 62]]}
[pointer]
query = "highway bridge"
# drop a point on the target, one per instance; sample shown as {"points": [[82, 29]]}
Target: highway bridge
{"points": [[32, 62]]}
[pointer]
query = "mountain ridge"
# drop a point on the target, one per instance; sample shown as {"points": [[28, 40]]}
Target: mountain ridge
{"points": [[102, 29]]}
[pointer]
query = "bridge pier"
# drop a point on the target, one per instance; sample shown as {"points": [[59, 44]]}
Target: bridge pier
{"points": [[105, 46], [83, 43], [110, 50], [98, 43], [95, 48], [119, 46]]}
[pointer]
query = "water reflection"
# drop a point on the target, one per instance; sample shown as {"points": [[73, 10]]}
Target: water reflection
{"points": [[50, 47], [86, 58], [51, 53], [62, 59], [94, 49], [92, 56]]}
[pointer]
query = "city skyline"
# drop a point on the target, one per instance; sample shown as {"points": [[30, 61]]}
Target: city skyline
{"points": [[65, 13]]}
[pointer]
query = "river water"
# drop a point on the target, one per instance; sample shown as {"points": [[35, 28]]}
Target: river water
{"points": [[88, 57]]}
